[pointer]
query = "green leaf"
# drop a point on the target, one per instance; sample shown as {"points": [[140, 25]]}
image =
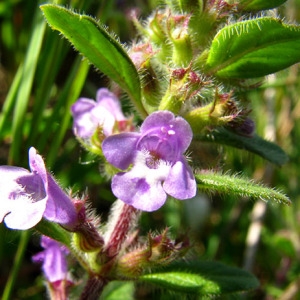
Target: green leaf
{"points": [[255, 144], [202, 278], [255, 5], [99, 47], [253, 48], [237, 186], [54, 231], [25, 86], [116, 290]]}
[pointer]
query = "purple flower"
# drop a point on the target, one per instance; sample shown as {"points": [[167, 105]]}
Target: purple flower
{"points": [[28, 196], [53, 259], [89, 114], [158, 163]]}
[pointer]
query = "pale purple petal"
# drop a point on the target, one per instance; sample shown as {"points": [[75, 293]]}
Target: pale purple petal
{"points": [[180, 183], [59, 207], [89, 114], [55, 266], [8, 183], [111, 103], [164, 122], [119, 149], [23, 197], [136, 191], [83, 125], [157, 120], [141, 187], [27, 197], [37, 165], [101, 117], [24, 213], [82, 105], [53, 259]]}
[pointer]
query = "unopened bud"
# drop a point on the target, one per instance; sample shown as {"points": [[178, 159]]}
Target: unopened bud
{"points": [[159, 251], [87, 239], [245, 127], [184, 84]]}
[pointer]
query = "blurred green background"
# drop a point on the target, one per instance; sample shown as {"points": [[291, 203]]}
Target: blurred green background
{"points": [[41, 76]]}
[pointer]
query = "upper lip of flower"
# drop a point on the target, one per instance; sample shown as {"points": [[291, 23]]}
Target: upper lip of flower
{"points": [[89, 114], [160, 149]]}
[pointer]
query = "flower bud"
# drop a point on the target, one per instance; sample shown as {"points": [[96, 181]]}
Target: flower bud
{"points": [[184, 84], [86, 237], [180, 38], [159, 251], [156, 29], [244, 126], [221, 111]]}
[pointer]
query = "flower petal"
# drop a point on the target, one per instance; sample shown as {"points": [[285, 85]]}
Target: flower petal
{"points": [[8, 182], [141, 187], [23, 197], [37, 165], [83, 125], [111, 103], [181, 183], [60, 207], [183, 133], [119, 149], [157, 119], [24, 213], [82, 105], [164, 119], [136, 191], [100, 116], [53, 259]]}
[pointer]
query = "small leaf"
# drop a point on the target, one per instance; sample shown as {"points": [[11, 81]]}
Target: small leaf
{"points": [[54, 231], [253, 48], [255, 5], [203, 278], [99, 47], [255, 144], [237, 186], [116, 290]]}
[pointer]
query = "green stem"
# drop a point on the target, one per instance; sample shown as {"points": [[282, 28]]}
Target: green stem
{"points": [[16, 265]]}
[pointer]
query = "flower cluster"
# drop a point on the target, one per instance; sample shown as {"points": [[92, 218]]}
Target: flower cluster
{"points": [[153, 165]]}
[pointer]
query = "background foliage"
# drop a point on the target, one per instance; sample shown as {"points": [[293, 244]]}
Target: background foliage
{"points": [[41, 76]]}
